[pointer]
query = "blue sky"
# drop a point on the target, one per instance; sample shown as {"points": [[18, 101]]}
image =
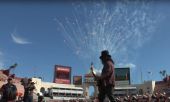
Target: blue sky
{"points": [[32, 34]]}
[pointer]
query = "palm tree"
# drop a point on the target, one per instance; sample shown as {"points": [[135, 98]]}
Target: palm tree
{"points": [[163, 73], [160, 72], [13, 66]]}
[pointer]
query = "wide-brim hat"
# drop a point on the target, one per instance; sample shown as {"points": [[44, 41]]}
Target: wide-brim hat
{"points": [[10, 78], [29, 79], [105, 53], [32, 83]]}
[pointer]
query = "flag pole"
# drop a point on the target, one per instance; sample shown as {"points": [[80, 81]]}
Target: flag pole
{"points": [[141, 75]]}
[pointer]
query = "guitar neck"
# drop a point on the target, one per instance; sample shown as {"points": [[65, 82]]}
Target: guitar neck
{"points": [[93, 74]]}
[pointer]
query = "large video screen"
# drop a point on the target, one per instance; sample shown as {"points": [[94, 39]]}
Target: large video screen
{"points": [[62, 74], [77, 80], [122, 75]]}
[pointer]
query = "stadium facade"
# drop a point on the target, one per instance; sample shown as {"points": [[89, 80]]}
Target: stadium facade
{"points": [[62, 89]]}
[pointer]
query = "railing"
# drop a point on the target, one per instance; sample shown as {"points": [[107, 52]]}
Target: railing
{"points": [[67, 91]]}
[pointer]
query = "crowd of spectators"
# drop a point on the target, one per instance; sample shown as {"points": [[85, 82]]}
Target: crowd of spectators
{"points": [[156, 97]]}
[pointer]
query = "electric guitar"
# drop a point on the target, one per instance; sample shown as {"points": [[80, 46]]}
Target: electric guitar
{"points": [[99, 81]]}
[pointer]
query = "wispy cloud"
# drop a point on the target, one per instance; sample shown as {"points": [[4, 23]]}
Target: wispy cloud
{"points": [[130, 65], [120, 65], [19, 40]]}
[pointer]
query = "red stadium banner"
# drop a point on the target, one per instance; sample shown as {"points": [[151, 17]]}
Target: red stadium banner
{"points": [[62, 74], [62, 81]]}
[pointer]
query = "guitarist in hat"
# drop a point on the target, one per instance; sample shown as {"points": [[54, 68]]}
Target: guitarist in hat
{"points": [[106, 81]]}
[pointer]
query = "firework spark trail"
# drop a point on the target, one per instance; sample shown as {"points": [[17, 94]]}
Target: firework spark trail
{"points": [[117, 27]]}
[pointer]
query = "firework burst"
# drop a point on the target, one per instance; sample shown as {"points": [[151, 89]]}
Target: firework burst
{"points": [[115, 26]]}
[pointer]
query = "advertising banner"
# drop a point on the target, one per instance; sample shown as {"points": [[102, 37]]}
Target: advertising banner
{"points": [[62, 74], [77, 80]]}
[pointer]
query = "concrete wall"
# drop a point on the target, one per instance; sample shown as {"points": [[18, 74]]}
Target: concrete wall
{"points": [[40, 84], [146, 87]]}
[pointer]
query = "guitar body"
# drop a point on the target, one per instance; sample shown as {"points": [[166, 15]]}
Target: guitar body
{"points": [[99, 81], [100, 85]]}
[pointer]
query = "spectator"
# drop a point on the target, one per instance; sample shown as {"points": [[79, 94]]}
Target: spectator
{"points": [[41, 97], [9, 91], [29, 88]]}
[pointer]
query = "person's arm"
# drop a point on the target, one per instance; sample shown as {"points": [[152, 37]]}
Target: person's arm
{"points": [[2, 89], [108, 70], [34, 87], [15, 89]]}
